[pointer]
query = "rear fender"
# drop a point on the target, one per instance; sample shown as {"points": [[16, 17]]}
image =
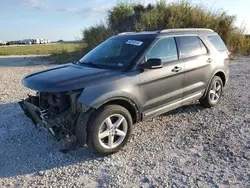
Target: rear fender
{"points": [[210, 80]]}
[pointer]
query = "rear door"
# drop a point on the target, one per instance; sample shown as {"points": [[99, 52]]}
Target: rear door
{"points": [[198, 67], [161, 87]]}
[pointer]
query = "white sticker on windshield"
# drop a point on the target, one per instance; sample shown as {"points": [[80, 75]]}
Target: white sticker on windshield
{"points": [[134, 42]]}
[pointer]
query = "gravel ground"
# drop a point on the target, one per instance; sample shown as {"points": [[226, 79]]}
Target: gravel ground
{"points": [[188, 147]]}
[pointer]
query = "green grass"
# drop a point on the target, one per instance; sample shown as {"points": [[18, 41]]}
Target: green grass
{"points": [[233, 58], [40, 49], [65, 56]]}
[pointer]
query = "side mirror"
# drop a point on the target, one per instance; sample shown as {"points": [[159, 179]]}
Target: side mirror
{"points": [[153, 64]]}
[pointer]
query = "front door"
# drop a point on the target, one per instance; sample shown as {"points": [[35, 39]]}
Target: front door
{"points": [[162, 87]]}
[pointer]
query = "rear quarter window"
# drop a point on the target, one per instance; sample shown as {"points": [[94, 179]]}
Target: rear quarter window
{"points": [[217, 42]]}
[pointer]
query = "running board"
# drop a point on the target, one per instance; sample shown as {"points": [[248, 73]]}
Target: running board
{"points": [[172, 106]]}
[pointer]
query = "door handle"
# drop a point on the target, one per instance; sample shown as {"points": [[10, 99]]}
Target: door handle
{"points": [[209, 60], [176, 69]]}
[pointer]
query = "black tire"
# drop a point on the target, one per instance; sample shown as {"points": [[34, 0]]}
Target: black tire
{"points": [[96, 121], [207, 102]]}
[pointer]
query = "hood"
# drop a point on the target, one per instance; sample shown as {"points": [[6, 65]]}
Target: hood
{"points": [[68, 77]]}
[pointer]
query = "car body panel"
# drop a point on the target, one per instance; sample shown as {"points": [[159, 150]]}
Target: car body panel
{"points": [[161, 86], [149, 89], [68, 78], [197, 74], [151, 92], [126, 87]]}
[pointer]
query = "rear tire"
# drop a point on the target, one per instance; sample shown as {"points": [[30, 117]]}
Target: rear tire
{"points": [[109, 129], [213, 94]]}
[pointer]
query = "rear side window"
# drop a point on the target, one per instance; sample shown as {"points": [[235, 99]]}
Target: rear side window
{"points": [[164, 49], [217, 42], [190, 46]]}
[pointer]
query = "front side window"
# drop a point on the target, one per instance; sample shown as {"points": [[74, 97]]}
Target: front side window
{"points": [[190, 46], [165, 49], [115, 52]]}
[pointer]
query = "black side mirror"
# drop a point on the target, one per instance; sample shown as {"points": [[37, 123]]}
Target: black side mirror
{"points": [[153, 64]]}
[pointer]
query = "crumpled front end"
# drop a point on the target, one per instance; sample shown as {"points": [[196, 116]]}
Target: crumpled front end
{"points": [[58, 112]]}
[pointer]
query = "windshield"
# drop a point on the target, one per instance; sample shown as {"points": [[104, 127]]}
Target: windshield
{"points": [[114, 53]]}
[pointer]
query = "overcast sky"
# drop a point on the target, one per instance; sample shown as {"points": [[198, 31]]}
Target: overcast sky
{"points": [[64, 19]]}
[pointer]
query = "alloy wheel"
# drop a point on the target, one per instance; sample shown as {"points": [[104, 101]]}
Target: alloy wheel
{"points": [[113, 131], [215, 92]]}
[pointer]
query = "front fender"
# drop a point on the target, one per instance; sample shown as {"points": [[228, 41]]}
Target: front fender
{"points": [[124, 88], [97, 99]]}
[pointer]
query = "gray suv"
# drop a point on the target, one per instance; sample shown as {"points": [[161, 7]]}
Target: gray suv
{"points": [[130, 77]]}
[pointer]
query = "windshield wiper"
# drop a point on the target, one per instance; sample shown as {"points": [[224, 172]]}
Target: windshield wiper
{"points": [[90, 63]]}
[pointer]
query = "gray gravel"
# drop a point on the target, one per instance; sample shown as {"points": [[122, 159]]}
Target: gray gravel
{"points": [[188, 147]]}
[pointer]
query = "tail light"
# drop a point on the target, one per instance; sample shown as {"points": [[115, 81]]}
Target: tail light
{"points": [[229, 54]]}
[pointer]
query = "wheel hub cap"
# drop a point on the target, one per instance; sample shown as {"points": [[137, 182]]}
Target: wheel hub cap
{"points": [[215, 92], [113, 131]]}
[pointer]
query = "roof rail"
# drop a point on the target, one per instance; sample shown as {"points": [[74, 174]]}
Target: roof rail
{"points": [[185, 29], [169, 31], [138, 32], [124, 33]]}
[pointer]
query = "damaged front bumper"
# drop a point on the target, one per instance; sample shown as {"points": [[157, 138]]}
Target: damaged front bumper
{"points": [[30, 106], [56, 112], [61, 114], [31, 109]]}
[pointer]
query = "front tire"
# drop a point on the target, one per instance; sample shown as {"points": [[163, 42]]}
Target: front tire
{"points": [[214, 93], [109, 129]]}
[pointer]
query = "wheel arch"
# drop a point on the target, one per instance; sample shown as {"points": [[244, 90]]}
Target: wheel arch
{"points": [[219, 73], [222, 75], [128, 104], [83, 118]]}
